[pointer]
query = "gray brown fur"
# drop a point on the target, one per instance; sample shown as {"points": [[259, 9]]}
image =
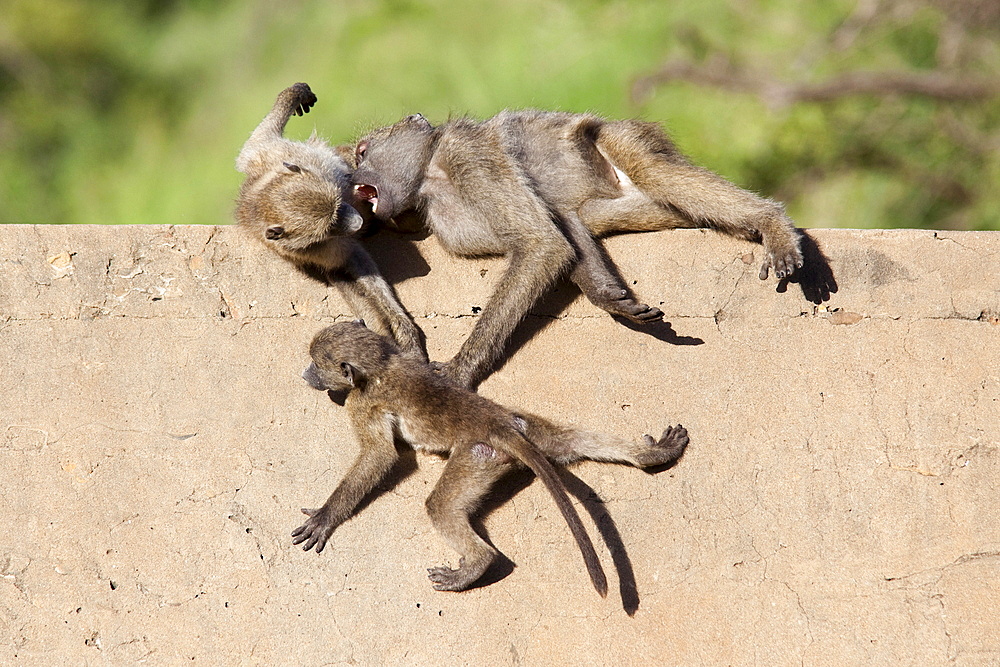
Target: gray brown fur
{"points": [[295, 200], [540, 187], [391, 395]]}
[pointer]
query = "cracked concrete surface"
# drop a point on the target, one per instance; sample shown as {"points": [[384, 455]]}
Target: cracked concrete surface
{"points": [[837, 504]]}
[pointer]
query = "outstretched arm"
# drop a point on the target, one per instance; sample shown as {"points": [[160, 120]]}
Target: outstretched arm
{"points": [[372, 298], [376, 458], [296, 99]]}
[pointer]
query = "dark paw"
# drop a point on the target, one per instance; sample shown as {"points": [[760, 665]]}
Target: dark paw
{"points": [[631, 309], [447, 579], [665, 450], [784, 259], [303, 99], [618, 302], [314, 532], [816, 277]]}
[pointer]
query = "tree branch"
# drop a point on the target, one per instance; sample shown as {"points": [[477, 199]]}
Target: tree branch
{"points": [[720, 73]]}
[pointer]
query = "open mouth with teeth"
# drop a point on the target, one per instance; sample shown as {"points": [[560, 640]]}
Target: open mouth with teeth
{"points": [[368, 193]]}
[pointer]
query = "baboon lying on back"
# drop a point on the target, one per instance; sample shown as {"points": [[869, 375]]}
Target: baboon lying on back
{"points": [[391, 395], [293, 200], [538, 187]]}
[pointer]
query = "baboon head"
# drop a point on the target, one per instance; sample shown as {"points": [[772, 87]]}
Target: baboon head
{"points": [[296, 209], [391, 163], [346, 355]]}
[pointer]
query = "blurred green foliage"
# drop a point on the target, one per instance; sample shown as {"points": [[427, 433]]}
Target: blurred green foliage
{"points": [[133, 111]]}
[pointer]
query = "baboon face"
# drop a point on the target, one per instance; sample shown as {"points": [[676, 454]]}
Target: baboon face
{"points": [[345, 355], [298, 209], [391, 163]]}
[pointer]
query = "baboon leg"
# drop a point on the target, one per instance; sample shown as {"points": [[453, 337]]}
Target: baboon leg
{"points": [[632, 212], [373, 299], [654, 166], [593, 274], [565, 445], [468, 476]]}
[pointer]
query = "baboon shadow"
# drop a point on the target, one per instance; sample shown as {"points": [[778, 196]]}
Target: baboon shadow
{"points": [[555, 301], [594, 506], [815, 278], [396, 255]]}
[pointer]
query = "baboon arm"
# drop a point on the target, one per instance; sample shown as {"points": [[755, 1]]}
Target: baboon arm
{"points": [[374, 461], [296, 99], [528, 275], [372, 298]]}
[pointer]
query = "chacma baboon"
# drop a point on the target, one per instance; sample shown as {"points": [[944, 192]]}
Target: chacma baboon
{"points": [[293, 199], [538, 187], [392, 395]]}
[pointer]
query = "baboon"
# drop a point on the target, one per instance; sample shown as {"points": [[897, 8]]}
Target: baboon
{"points": [[538, 187], [392, 395], [293, 200]]}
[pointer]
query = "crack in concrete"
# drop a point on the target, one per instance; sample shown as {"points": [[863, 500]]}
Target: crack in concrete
{"points": [[940, 570], [985, 316]]}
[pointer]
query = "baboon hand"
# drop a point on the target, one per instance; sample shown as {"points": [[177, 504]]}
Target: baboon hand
{"points": [[302, 98], [314, 532], [665, 450], [639, 313]]}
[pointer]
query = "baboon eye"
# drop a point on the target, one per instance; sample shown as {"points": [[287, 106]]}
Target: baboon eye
{"points": [[359, 152], [274, 233], [294, 168]]}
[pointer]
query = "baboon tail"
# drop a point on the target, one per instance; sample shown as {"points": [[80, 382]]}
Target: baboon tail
{"points": [[526, 452]]}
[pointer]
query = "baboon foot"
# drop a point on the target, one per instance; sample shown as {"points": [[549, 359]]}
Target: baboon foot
{"points": [[665, 450], [783, 256], [618, 302], [446, 579]]}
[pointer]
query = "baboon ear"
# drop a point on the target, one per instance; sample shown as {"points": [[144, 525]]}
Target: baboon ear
{"points": [[352, 375], [294, 168], [361, 322], [274, 233]]}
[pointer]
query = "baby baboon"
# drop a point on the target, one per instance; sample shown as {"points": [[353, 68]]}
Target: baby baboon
{"points": [[538, 187], [392, 395], [293, 199]]}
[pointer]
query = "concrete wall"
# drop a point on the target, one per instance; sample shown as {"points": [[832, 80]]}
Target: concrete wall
{"points": [[837, 504]]}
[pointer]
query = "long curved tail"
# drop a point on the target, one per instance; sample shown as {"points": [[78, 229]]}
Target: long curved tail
{"points": [[526, 452]]}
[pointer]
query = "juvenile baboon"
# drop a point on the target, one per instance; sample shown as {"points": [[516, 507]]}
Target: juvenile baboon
{"points": [[538, 187], [293, 199], [391, 395]]}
